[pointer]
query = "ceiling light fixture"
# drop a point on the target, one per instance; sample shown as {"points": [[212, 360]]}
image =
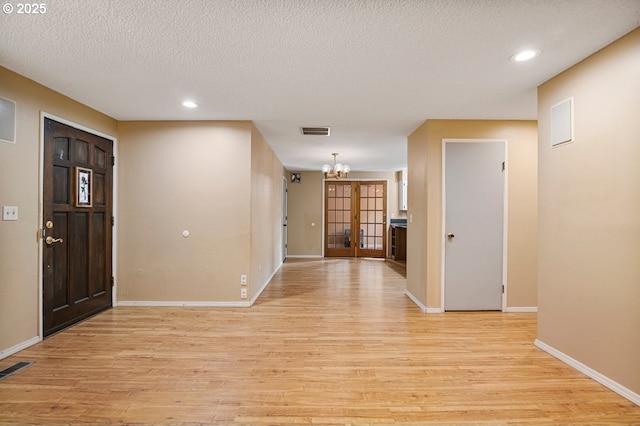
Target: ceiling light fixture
{"points": [[338, 171], [525, 55], [190, 104]]}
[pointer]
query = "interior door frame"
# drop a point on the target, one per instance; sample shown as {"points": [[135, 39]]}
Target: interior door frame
{"points": [[285, 208], [114, 237], [505, 217], [324, 180]]}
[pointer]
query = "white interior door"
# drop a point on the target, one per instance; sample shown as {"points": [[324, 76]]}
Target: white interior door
{"points": [[474, 225]]}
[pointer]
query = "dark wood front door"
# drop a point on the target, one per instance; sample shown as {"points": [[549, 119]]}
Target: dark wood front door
{"points": [[77, 228]]}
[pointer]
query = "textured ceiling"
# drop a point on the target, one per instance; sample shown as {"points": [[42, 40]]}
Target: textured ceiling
{"points": [[373, 70]]}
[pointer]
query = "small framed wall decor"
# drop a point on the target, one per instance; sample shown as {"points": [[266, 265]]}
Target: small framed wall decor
{"points": [[84, 186], [296, 177]]}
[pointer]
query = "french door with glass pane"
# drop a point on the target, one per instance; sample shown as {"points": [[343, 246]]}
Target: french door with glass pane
{"points": [[355, 205]]}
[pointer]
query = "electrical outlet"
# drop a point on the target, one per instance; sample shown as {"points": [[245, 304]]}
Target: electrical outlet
{"points": [[243, 279], [243, 293], [9, 213]]}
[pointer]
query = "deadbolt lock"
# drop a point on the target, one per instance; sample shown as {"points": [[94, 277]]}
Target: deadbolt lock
{"points": [[49, 224]]}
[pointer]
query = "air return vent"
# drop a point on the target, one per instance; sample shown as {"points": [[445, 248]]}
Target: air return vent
{"points": [[7, 121], [317, 131], [14, 368]]}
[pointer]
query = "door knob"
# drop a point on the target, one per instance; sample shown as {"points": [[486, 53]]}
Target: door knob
{"points": [[50, 240], [450, 236]]}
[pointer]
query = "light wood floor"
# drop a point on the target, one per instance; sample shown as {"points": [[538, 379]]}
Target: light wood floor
{"points": [[328, 342]]}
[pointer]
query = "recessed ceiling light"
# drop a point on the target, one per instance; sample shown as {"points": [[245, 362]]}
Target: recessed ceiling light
{"points": [[190, 104], [525, 55]]}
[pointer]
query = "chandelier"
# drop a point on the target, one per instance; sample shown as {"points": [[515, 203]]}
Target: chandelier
{"points": [[338, 171]]}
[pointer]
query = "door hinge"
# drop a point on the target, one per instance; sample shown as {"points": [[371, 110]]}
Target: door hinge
{"points": [[502, 288], [504, 165], [113, 281], [113, 160], [113, 221]]}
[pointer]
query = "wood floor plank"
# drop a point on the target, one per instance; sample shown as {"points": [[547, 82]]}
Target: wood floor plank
{"points": [[329, 342]]}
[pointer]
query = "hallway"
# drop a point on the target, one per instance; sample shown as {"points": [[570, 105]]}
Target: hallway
{"points": [[330, 341]]}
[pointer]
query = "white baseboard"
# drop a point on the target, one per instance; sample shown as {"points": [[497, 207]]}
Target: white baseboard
{"points": [[420, 305], [522, 309], [426, 310], [415, 300], [169, 303], [598, 377], [20, 346], [304, 256], [264, 286]]}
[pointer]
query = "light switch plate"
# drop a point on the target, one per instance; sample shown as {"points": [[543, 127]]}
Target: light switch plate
{"points": [[9, 213]]}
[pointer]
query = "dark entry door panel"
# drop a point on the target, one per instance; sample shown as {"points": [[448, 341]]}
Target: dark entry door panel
{"points": [[77, 228]]}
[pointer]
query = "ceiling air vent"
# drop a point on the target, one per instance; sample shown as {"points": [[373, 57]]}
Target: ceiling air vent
{"points": [[317, 131]]}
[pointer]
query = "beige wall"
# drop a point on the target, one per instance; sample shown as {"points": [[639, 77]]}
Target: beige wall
{"points": [[424, 233], [178, 176], [419, 189], [266, 213], [19, 186], [589, 267], [173, 176], [304, 208]]}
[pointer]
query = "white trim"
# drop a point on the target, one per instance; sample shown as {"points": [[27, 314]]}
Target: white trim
{"points": [[20, 346], [114, 238], [423, 308], [521, 309], [304, 256], [598, 377], [265, 285], [168, 303], [285, 217], [415, 300], [505, 212]]}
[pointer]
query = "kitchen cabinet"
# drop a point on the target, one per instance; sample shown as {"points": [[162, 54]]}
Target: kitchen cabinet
{"points": [[398, 242]]}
